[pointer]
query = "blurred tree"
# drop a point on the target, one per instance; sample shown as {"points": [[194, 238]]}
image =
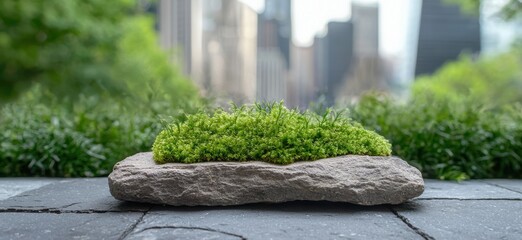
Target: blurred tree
{"points": [[511, 10], [491, 80], [53, 41], [87, 47]]}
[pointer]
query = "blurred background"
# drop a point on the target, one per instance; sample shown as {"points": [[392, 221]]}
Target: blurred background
{"points": [[333, 51], [85, 83]]}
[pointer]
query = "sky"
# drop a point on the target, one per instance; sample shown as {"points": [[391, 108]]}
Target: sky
{"points": [[311, 16]]}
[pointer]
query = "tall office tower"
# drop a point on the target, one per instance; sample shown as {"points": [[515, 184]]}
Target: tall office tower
{"points": [[333, 55], [180, 33], [275, 27], [301, 87], [320, 61], [273, 50], [366, 72], [230, 48], [445, 33], [271, 75]]}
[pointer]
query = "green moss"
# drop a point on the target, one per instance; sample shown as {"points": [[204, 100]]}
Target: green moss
{"points": [[269, 132]]}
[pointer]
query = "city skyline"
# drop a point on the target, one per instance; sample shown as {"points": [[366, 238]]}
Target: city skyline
{"points": [[235, 53]]}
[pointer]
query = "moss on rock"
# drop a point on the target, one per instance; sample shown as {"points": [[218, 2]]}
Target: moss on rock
{"points": [[265, 132]]}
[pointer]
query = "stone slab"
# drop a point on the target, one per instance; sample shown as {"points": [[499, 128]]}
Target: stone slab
{"points": [[511, 184], [291, 220], [466, 219], [472, 189], [65, 226], [364, 180], [82, 194], [13, 186]]}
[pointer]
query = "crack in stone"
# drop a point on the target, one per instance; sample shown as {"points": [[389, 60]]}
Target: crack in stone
{"points": [[471, 199], [60, 211], [499, 186], [410, 225], [194, 228], [133, 226]]}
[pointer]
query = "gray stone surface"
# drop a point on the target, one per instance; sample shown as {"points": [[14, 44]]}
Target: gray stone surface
{"points": [[83, 209], [361, 180], [293, 220], [65, 226], [466, 219], [13, 186], [512, 185], [472, 189], [88, 194]]}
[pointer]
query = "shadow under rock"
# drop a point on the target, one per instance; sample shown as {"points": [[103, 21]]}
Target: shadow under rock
{"points": [[293, 206]]}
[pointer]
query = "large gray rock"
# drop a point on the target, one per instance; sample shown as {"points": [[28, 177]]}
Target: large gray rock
{"points": [[361, 180]]}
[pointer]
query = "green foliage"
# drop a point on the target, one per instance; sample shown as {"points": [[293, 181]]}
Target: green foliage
{"points": [[93, 47], [87, 83], [55, 41], [467, 6], [54, 140], [510, 11], [143, 71], [264, 132], [448, 140], [36, 141], [495, 81]]}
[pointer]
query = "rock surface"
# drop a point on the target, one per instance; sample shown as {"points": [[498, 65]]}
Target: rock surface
{"points": [[360, 180]]}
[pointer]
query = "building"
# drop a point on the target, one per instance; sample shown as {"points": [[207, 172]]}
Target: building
{"points": [[274, 51], [366, 70], [180, 32], [272, 75], [445, 32], [230, 49], [301, 89], [320, 62], [333, 55], [275, 27]]}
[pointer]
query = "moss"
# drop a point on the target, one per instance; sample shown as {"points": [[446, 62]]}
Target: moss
{"points": [[265, 132]]}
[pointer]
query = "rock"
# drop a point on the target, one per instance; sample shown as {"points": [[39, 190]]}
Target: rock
{"points": [[363, 180]]}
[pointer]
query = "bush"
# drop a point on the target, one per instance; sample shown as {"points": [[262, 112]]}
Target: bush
{"points": [[86, 83], [83, 141], [264, 132], [447, 140]]}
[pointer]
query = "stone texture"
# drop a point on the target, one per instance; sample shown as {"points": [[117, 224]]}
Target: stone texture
{"points": [[360, 180], [71, 195], [284, 221], [470, 189], [465, 219], [508, 184], [21, 225], [13, 186]]}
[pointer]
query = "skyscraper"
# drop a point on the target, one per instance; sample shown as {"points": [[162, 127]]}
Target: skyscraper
{"points": [[271, 76], [180, 33], [333, 56], [445, 33], [365, 73], [273, 51], [275, 27], [302, 88], [230, 48]]}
